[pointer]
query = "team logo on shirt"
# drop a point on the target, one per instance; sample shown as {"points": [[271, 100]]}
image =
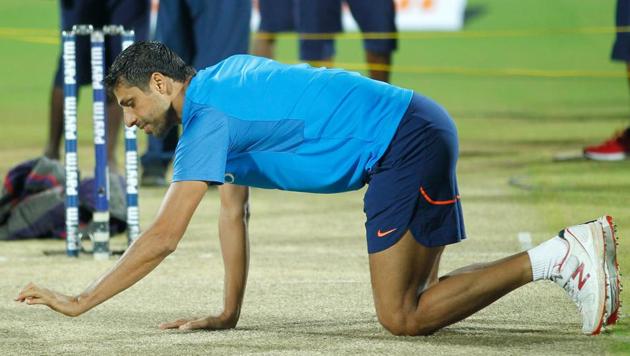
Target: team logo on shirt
{"points": [[229, 178]]}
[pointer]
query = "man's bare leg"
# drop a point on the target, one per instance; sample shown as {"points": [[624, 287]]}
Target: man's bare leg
{"points": [[55, 124], [264, 45], [325, 62], [56, 127], [114, 118], [379, 65], [399, 272]]}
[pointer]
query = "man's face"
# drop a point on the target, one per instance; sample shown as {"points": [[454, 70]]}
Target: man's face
{"points": [[149, 110]]}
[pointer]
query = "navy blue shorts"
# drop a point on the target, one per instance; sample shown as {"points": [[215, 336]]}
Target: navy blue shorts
{"points": [[621, 48], [277, 15], [414, 186], [204, 32], [132, 14], [324, 16]]}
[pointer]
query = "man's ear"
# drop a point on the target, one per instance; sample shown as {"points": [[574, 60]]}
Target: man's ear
{"points": [[158, 82]]}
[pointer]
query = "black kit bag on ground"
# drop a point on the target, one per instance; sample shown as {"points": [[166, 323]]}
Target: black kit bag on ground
{"points": [[32, 201]]}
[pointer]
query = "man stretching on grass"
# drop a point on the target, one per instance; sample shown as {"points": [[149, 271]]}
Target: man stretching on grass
{"points": [[250, 121]]}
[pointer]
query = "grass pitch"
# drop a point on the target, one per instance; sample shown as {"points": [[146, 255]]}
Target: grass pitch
{"points": [[525, 80]]}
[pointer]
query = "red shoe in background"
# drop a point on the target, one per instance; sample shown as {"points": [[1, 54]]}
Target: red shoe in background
{"points": [[615, 149]]}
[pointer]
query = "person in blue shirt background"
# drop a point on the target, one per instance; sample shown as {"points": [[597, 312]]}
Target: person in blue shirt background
{"points": [[202, 32], [250, 121]]}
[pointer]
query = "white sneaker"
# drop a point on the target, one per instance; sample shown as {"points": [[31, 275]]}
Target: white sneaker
{"points": [[581, 273], [613, 302]]}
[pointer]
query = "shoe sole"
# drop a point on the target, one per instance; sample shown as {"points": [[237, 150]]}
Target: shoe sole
{"points": [[599, 249], [612, 267], [605, 156]]}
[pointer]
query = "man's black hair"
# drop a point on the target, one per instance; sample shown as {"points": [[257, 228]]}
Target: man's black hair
{"points": [[134, 65]]}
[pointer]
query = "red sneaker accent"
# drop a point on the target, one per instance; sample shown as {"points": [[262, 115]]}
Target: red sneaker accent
{"points": [[615, 149]]}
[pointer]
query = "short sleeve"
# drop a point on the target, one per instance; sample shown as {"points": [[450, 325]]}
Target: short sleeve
{"points": [[201, 153]]}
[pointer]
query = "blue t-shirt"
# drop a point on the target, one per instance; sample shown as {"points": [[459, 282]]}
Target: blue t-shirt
{"points": [[256, 122]]}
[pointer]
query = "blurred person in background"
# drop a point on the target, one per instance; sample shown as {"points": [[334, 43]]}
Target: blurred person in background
{"points": [[319, 20], [275, 16], [618, 147], [324, 17], [132, 14], [202, 32]]}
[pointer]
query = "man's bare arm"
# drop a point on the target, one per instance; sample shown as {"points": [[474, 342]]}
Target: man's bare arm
{"points": [[233, 219], [153, 245]]}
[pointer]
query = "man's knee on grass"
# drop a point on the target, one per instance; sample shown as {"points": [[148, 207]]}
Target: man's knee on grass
{"points": [[405, 323]]}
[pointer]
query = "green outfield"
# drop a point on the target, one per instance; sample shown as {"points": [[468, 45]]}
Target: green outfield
{"points": [[525, 81]]}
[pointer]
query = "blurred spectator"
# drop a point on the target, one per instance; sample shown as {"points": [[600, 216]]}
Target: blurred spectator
{"points": [[275, 16], [324, 16], [618, 147], [132, 14], [202, 32]]}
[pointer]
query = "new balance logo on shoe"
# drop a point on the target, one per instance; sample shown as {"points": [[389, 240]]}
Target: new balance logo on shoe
{"points": [[581, 279], [583, 274]]}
